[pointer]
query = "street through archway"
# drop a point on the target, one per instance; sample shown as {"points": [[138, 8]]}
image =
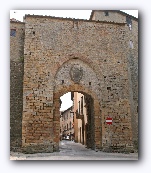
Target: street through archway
{"points": [[69, 150]]}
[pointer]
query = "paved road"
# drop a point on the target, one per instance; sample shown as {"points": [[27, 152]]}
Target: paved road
{"points": [[70, 150]]}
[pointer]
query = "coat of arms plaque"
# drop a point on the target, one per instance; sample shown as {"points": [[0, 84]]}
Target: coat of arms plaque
{"points": [[76, 73]]}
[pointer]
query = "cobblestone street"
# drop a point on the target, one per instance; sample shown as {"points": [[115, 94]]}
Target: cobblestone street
{"points": [[70, 150]]}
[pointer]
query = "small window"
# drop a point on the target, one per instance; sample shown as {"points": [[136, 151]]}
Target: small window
{"points": [[130, 27], [106, 13], [131, 44], [13, 32], [82, 105], [129, 22], [79, 107], [109, 88]]}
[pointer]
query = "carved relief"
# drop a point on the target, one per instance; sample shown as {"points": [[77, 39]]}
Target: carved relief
{"points": [[76, 73]]}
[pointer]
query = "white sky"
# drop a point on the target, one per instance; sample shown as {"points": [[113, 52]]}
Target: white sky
{"points": [[66, 101], [81, 14]]}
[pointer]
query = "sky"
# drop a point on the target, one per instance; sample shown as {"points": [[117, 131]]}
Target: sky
{"points": [[66, 101], [81, 14]]}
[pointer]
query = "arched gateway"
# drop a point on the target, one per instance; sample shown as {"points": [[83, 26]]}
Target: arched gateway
{"points": [[84, 75], [56, 56], [73, 75]]}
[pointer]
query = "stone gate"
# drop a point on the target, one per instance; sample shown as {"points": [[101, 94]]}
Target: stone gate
{"points": [[63, 55]]}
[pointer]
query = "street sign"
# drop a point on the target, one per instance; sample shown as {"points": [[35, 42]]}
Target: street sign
{"points": [[109, 121]]}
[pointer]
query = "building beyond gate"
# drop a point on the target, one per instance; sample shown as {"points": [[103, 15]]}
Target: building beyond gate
{"points": [[50, 56]]}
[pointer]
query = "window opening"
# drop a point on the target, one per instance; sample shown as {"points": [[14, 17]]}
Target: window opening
{"points": [[130, 27], [82, 105], [79, 107], [129, 22], [106, 13], [13, 32], [109, 88], [131, 44]]}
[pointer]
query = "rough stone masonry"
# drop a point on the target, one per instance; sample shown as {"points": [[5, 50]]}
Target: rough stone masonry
{"points": [[42, 54]]}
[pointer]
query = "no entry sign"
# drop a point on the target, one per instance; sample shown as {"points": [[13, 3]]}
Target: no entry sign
{"points": [[109, 121]]}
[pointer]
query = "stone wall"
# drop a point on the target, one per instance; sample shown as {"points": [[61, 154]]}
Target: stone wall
{"points": [[132, 58], [133, 73], [102, 46], [106, 54], [16, 84], [112, 16]]}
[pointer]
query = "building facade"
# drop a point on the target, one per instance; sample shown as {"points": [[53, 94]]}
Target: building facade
{"points": [[50, 56], [67, 124], [80, 118]]}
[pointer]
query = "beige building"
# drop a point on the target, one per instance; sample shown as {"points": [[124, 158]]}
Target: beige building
{"points": [[80, 118], [67, 124]]}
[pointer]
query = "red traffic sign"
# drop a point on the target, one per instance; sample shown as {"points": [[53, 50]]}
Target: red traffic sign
{"points": [[109, 121]]}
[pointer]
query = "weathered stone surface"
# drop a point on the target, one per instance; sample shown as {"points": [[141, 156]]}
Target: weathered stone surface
{"points": [[52, 47], [16, 85]]}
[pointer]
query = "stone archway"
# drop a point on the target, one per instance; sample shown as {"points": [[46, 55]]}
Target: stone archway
{"points": [[76, 75], [96, 140], [41, 117]]}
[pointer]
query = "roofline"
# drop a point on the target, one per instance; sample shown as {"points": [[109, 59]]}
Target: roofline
{"points": [[17, 22], [117, 11], [62, 112], [72, 19]]}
